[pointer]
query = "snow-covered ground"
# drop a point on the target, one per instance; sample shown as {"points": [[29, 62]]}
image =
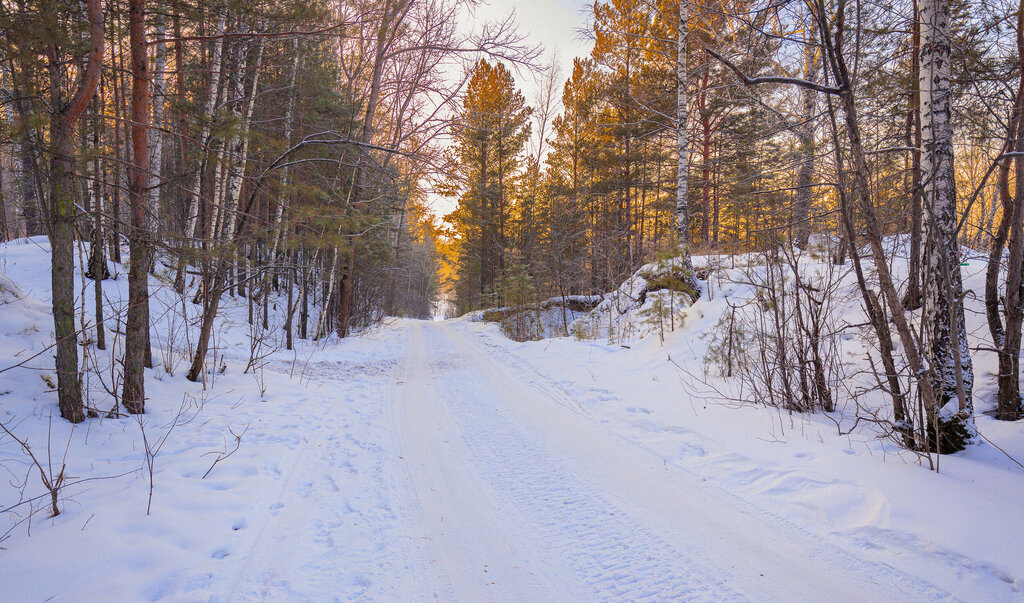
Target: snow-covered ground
{"points": [[441, 460]]}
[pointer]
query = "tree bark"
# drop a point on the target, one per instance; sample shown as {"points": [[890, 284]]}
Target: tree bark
{"points": [[3, 207], [98, 261], [912, 298], [805, 139], [682, 132], [63, 213], [137, 326], [1008, 400], [945, 330]]}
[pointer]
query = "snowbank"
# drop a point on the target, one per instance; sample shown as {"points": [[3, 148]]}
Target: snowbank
{"points": [[831, 473], [653, 299], [241, 466]]}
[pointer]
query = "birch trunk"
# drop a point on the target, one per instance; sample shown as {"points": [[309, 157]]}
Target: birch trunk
{"points": [[944, 328], [233, 224], [156, 147], [289, 113], [682, 129], [240, 146], [211, 103]]}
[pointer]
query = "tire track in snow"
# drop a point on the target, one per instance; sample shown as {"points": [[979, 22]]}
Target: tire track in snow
{"points": [[408, 502], [875, 576], [613, 555]]}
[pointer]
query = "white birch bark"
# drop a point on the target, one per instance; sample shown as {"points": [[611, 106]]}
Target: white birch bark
{"points": [[240, 148], [286, 180], [946, 334], [156, 139], [211, 103], [682, 129]]}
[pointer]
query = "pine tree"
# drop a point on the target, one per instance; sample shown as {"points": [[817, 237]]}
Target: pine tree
{"points": [[486, 159]]}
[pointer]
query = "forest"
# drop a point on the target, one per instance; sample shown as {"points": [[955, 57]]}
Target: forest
{"points": [[294, 156], [381, 279]]}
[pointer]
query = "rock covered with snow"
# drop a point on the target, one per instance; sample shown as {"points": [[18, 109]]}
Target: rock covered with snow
{"points": [[652, 300]]}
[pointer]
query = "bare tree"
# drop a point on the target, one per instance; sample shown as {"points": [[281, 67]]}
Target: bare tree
{"points": [[1007, 335], [944, 326], [63, 214], [137, 326]]}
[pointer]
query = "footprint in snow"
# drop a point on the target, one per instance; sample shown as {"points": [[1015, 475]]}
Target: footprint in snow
{"points": [[220, 553]]}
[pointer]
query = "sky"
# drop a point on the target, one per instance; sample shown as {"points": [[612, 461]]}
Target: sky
{"points": [[553, 25]]}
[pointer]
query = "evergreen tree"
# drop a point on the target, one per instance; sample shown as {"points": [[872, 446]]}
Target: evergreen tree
{"points": [[486, 158]]}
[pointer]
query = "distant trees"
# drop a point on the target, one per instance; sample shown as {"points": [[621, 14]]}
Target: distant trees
{"points": [[283, 154], [276, 153], [486, 161], [825, 146]]}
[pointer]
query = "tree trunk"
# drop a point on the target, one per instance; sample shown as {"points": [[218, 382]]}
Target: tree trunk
{"points": [[62, 236], [137, 327], [345, 303], [98, 261], [3, 207], [26, 166], [279, 230], [304, 308], [192, 193], [156, 138], [805, 139], [1008, 401], [945, 330], [862, 192], [63, 214], [290, 309], [912, 298], [682, 132]]}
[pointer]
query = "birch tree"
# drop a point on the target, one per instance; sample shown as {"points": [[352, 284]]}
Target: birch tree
{"points": [[944, 326], [682, 132]]}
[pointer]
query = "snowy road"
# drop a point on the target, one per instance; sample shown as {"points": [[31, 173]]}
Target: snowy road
{"points": [[440, 460], [514, 493]]}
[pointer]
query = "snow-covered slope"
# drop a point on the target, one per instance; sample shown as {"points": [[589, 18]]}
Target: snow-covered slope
{"points": [[303, 464], [836, 473]]}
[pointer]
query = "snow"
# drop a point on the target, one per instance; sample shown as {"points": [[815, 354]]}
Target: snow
{"points": [[438, 459], [632, 311]]}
